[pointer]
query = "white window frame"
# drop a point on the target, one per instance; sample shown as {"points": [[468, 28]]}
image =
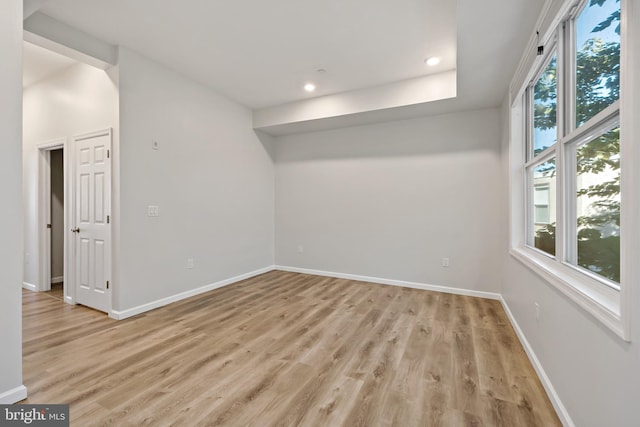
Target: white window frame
{"points": [[609, 304]]}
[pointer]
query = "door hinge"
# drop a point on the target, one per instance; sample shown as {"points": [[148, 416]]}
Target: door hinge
{"points": [[48, 225], [108, 219], [107, 284], [108, 153]]}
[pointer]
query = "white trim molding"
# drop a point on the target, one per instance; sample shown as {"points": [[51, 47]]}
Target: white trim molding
{"points": [[391, 282], [58, 279], [630, 175], [14, 395], [544, 379], [29, 286], [124, 314]]}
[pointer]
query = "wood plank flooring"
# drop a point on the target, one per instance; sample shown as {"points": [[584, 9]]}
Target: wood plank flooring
{"points": [[57, 291], [286, 349]]}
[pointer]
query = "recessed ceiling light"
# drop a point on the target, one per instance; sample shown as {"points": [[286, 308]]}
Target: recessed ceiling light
{"points": [[434, 60], [309, 87]]}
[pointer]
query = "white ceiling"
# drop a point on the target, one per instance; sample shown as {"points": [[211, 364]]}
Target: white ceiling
{"points": [[39, 63], [260, 53]]}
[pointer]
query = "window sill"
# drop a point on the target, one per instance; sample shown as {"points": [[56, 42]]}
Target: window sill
{"points": [[601, 302]]}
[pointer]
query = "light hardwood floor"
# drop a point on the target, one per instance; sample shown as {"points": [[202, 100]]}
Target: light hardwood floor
{"points": [[57, 291], [286, 349]]}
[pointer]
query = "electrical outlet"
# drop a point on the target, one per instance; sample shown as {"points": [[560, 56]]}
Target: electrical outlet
{"points": [[190, 263], [153, 210], [300, 249], [537, 306], [155, 145], [445, 262]]}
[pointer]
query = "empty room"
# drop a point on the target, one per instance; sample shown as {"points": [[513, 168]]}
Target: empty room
{"points": [[320, 213]]}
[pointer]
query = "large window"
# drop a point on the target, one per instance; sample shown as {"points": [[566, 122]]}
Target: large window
{"points": [[572, 160]]}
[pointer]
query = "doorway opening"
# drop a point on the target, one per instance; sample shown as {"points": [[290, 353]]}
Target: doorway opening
{"points": [[52, 218], [56, 223]]}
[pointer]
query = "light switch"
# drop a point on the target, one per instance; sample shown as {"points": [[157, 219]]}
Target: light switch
{"points": [[153, 210]]}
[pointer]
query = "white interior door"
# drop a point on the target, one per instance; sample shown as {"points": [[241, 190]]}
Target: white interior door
{"points": [[92, 242]]}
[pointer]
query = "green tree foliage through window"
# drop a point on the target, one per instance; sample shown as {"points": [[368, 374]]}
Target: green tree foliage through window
{"points": [[597, 86], [544, 108]]}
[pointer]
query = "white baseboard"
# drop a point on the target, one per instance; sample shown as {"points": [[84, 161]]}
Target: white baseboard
{"points": [[30, 287], [12, 396], [544, 379], [120, 315], [58, 279], [414, 285]]}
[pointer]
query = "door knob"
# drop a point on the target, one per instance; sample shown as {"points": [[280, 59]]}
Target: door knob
{"points": [[75, 230]]}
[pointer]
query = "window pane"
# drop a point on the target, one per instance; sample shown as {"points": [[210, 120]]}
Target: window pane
{"points": [[597, 58], [544, 214], [598, 205], [541, 204], [544, 109]]}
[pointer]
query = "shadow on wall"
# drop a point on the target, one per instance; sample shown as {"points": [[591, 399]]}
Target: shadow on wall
{"points": [[268, 142], [428, 136]]}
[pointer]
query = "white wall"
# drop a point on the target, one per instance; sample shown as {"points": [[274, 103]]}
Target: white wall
{"points": [[77, 100], [391, 200], [595, 373], [212, 179], [10, 192]]}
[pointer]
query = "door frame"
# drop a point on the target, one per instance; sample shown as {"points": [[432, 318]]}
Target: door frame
{"points": [[43, 234]]}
